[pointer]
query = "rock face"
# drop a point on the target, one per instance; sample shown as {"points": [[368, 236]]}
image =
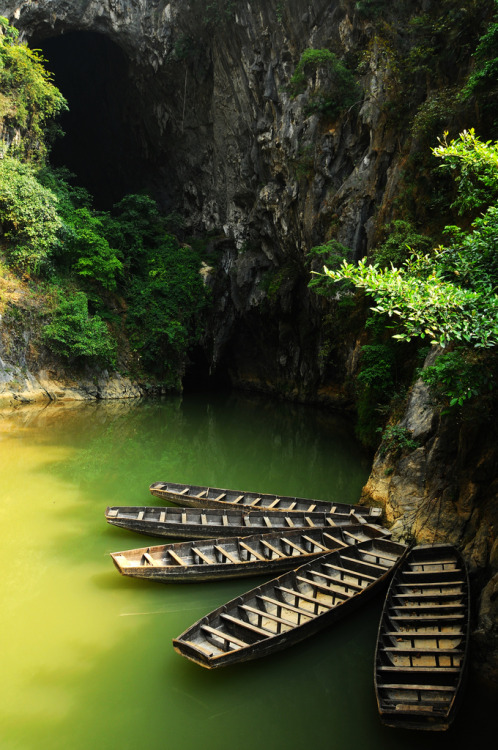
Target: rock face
{"points": [[203, 95], [447, 490]]}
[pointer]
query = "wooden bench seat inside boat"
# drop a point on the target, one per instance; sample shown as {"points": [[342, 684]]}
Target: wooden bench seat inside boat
{"points": [[245, 625], [224, 636]]}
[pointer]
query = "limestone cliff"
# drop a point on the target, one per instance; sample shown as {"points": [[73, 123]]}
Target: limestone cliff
{"points": [[210, 119]]}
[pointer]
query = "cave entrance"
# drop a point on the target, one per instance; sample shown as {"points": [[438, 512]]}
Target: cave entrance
{"points": [[106, 142]]}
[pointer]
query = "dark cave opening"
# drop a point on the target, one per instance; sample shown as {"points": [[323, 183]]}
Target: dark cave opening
{"points": [[106, 143], [199, 378]]}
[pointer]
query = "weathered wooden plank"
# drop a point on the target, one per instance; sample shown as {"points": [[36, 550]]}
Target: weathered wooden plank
{"points": [[224, 636], [252, 551], [246, 625], [203, 557]]}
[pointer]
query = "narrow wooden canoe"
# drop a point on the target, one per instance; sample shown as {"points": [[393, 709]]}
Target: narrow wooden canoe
{"points": [[189, 495], [291, 607], [208, 523], [422, 644], [235, 557]]}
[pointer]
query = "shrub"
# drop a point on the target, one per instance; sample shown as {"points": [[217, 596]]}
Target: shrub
{"points": [[458, 376], [335, 92], [397, 440], [73, 334], [482, 81], [166, 298], [29, 98], [403, 239], [377, 361], [28, 216], [92, 256], [330, 254]]}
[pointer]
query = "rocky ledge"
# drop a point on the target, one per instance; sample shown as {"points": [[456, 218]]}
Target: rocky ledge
{"points": [[446, 490]]}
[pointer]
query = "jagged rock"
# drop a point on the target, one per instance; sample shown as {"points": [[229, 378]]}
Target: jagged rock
{"points": [[447, 490]]}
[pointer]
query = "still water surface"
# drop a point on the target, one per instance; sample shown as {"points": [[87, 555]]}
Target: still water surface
{"points": [[87, 661]]}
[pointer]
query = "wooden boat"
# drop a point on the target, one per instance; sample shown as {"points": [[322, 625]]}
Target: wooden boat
{"points": [[189, 495], [208, 523], [291, 607], [234, 557], [422, 644]]}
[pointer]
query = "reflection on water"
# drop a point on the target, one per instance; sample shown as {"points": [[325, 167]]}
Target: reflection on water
{"points": [[87, 658]]}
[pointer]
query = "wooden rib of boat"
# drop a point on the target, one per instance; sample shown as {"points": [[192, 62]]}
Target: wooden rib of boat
{"points": [[189, 495], [235, 557], [208, 523], [290, 607], [422, 643]]}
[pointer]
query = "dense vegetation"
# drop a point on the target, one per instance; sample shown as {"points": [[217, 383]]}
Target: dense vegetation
{"points": [[103, 278]]}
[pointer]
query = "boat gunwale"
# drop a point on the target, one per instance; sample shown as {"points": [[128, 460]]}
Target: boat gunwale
{"points": [[162, 571]]}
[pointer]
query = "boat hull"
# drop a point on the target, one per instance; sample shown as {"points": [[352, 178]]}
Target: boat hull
{"points": [[215, 640], [236, 557], [196, 496], [208, 523], [422, 644]]}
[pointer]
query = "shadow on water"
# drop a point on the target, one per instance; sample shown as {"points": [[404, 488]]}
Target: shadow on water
{"points": [[90, 661]]}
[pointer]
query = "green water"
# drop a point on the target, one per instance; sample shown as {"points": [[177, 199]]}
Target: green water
{"points": [[86, 656]]}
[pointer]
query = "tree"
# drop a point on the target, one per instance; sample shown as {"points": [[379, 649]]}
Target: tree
{"points": [[448, 295]]}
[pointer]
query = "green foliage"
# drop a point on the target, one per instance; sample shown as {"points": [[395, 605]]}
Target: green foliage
{"points": [[376, 383], [377, 361], [134, 229], [279, 11], [433, 115], [166, 298], [74, 335], [403, 239], [215, 12], [474, 165], [28, 98], [483, 80], [330, 254], [304, 164], [397, 440], [442, 35], [49, 225], [471, 258], [28, 215], [80, 246], [372, 8], [450, 295], [459, 376], [337, 88], [47, 220], [425, 304], [93, 257]]}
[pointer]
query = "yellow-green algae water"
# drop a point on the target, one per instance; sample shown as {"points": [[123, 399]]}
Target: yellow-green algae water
{"points": [[86, 655]]}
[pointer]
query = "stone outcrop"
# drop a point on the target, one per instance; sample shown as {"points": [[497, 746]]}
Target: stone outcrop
{"points": [[20, 386], [447, 490]]}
